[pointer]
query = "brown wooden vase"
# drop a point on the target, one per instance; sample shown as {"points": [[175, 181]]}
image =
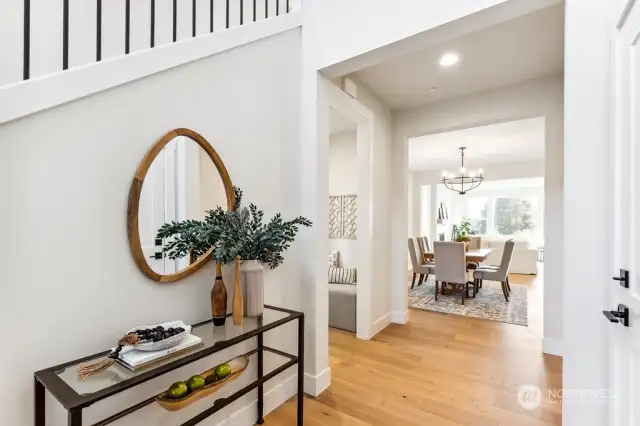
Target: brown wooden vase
{"points": [[219, 299]]}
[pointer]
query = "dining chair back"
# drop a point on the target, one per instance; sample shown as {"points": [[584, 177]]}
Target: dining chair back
{"points": [[420, 248], [412, 254], [475, 242], [507, 254], [427, 246], [451, 264]]}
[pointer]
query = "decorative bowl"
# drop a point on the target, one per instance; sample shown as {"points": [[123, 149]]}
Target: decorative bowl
{"points": [[166, 343], [238, 365]]}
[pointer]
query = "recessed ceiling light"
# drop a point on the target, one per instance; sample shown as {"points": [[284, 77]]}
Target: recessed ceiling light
{"points": [[433, 89], [449, 59]]}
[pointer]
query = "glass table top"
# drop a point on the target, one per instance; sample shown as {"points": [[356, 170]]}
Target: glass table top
{"points": [[212, 339]]}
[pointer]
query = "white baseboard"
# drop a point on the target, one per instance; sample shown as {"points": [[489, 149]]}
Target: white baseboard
{"points": [[380, 324], [552, 347], [400, 317], [315, 385], [272, 400]]}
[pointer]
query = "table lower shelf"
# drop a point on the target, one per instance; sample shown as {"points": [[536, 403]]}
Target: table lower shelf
{"points": [[276, 362]]}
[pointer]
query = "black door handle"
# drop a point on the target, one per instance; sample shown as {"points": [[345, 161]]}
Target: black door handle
{"points": [[157, 256], [619, 316], [623, 278]]}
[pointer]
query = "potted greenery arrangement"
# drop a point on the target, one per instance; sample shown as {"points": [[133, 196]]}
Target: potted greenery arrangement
{"points": [[464, 232], [236, 233]]}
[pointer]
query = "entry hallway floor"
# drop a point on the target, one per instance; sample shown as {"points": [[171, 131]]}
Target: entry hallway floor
{"points": [[437, 370]]}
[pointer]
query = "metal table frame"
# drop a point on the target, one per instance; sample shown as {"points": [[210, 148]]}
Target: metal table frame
{"points": [[74, 403]]}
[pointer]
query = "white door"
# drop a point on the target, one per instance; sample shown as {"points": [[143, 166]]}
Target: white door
{"points": [[625, 339]]}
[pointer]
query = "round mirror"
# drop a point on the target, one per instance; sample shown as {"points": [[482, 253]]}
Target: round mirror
{"points": [[181, 178]]}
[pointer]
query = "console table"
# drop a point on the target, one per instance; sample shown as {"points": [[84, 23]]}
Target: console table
{"points": [[76, 394]]}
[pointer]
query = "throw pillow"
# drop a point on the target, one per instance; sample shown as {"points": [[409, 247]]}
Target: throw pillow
{"points": [[333, 259], [342, 275]]}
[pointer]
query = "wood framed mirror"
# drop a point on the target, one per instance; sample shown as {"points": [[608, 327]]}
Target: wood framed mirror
{"points": [[180, 178]]}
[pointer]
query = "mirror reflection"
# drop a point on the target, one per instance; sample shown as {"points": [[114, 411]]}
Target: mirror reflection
{"points": [[181, 184]]}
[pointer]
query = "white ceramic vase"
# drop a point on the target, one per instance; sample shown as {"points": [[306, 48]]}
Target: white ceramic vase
{"points": [[253, 282]]}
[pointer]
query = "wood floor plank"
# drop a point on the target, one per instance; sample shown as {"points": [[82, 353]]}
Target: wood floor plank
{"points": [[437, 370]]}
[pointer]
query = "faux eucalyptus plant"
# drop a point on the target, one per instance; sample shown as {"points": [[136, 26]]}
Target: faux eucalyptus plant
{"points": [[233, 233]]}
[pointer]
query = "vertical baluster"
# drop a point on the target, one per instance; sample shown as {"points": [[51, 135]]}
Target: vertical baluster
{"points": [[277, 7], [65, 35], [193, 19], [266, 9], [227, 13], [98, 30], [26, 42], [241, 12], [254, 11], [175, 20], [127, 27], [153, 23], [210, 16], [288, 8]]}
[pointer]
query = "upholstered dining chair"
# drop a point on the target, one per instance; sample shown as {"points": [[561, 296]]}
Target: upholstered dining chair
{"points": [[451, 266], [500, 273], [421, 248], [475, 242], [427, 247], [419, 268]]}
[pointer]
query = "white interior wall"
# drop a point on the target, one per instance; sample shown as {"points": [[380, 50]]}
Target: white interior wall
{"points": [[72, 285], [46, 29], [343, 180], [517, 170], [590, 28], [380, 208], [536, 98]]}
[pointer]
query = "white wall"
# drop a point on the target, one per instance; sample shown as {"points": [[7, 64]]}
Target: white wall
{"points": [[46, 29], [381, 208], [536, 98], [343, 180], [420, 179], [70, 284], [589, 42]]}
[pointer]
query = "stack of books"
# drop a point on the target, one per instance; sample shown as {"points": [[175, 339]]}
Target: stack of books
{"points": [[136, 360]]}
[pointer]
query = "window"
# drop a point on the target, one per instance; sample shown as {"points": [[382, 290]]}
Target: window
{"points": [[477, 214], [514, 216]]}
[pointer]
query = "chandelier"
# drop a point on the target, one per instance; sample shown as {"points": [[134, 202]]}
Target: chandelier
{"points": [[465, 181]]}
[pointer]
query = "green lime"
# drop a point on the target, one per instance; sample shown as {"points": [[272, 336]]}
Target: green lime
{"points": [[222, 371], [178, 390], [195, 383]]}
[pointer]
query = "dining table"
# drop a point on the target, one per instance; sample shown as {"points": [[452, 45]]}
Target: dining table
{"points": [[475, 255]]}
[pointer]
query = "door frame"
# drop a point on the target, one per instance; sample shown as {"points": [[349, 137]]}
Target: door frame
{"points": [[364, 118]]}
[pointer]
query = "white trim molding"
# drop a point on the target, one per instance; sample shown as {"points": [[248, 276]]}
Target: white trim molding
{"points": [[315, 385], [28, 97], [381, 323], [400, 317], [552, 347]]}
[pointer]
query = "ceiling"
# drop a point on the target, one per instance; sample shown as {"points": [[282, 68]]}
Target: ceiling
{"points": [[339, 123], [513, 141], [523, 48]]}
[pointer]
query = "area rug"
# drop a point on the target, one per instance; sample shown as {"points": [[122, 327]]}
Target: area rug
{"points": [[488, 304]]}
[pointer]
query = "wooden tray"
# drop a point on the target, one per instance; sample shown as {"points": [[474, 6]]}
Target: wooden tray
{"points": [[238, 365]]}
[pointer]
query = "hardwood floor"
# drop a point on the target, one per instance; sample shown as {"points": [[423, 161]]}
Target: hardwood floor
{"points": [[437, 370]]}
